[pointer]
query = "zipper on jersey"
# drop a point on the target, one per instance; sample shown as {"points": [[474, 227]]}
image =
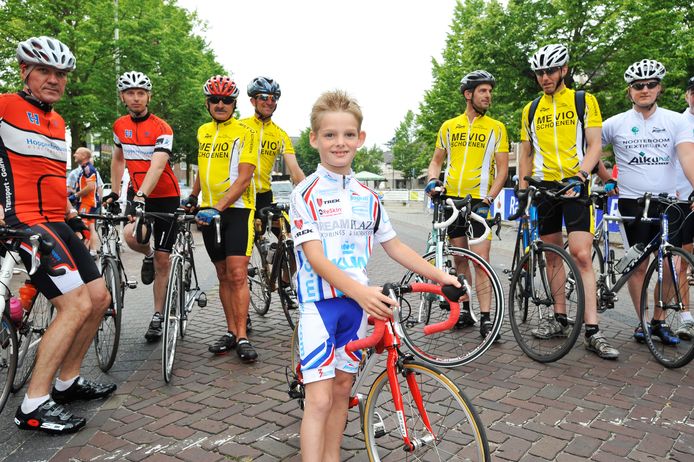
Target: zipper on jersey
{"points": [[467, 144], [209, 162], [556, 141]]}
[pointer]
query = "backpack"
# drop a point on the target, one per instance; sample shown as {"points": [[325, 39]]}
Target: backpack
{"points": [[579, 102]]}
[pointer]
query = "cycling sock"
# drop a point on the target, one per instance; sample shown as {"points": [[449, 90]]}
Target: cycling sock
{"points": [[157, 316], [62, 385], [561, 319], [591, 329], [150, 254], [484, 317], [656, 323], [230, 334], [31, 404], [466, 306]]}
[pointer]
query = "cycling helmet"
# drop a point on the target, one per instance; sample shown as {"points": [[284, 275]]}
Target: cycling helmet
{"points": [[264, 85], [474, 78], [690, 83], [554, 55], [133, 79], [46, 51], [644, 70], [220, 85]]}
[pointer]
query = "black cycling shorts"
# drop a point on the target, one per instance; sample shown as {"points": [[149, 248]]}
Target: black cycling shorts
{"points": [[458, 228], [686, 232], [552, 212], [236, 232], [163, 231], [643, 232]]}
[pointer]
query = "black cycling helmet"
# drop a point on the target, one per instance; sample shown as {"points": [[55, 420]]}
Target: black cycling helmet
{"points": [[690, 83], [264, 85], [474, 78]]}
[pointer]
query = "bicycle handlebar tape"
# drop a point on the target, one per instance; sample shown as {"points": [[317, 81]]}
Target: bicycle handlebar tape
{"points": [[371, 340]]}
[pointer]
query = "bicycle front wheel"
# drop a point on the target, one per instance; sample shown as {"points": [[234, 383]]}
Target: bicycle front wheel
{"points": [[8, 358], [258, 282], [29, 336], [172, 312], [546, 281], [667, 302], [287, 288], [107, 335], [438, 418], [464, 343]]}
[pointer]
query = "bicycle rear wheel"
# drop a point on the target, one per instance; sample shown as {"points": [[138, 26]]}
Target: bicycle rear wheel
{"points": [[258, 282], [29, 334], [534, 294], [287, 290], [8, 358], [107, 335], [460, 345], [172, 312], [674, 298], [455, 431]]}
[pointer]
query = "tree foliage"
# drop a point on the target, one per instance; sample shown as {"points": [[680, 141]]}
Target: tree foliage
{"points": [[154, 36], [369, 159], [306, 155], [410, 155]]}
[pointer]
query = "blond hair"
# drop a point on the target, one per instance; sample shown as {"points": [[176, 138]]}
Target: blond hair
{"points": [[334, 101], [85, 151]]}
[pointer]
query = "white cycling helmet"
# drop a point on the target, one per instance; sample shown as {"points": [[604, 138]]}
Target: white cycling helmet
{"points": [[133, 79], [46, 51], [644, 70], [553, 55]]}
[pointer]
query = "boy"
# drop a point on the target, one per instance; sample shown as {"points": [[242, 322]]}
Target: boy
{"points": [[335, 221]]}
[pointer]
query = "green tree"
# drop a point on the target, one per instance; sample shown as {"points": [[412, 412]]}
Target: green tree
{"points": [[410, 156], [306, 155], [369, 159]]}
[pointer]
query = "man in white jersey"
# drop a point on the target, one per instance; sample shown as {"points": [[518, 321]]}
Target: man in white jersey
{"points": [[646, 141], [684, 190]]}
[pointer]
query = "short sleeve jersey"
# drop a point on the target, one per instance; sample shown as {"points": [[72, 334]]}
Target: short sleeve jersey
{"points": [[346, 217], [33, 162], [221, 148], [470, 148], [645, 150], [684, 187], [87, 177], [271, 141], [140, 138], [557, 134]]}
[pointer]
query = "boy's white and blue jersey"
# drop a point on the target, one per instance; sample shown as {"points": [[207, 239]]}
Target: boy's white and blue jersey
{"points": [[347, 218]]}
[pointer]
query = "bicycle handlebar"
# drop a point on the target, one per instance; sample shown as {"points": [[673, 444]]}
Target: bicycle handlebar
{"points": [[39, 247], [452, 218]]}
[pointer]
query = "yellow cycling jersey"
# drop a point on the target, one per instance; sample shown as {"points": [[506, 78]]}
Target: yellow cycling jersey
{"points": [[470, 148], [271, 141], [221, 148], [557, 134]]}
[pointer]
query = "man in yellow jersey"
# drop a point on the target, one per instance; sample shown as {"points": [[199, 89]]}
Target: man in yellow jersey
{"points": [[226, 161], [475, 148], [558, 146]]}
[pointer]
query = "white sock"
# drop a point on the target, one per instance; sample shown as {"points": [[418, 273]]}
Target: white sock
{"points": [[31, 404], [686, 316], [61, 385]]}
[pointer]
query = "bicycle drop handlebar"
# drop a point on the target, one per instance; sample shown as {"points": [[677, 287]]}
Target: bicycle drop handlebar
{"points": [[456, 205], [450, 292]]}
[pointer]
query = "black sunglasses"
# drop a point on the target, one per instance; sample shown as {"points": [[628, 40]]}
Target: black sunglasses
{"points": [[548, 71], [223, 99], [642, 85], [265, 97]]}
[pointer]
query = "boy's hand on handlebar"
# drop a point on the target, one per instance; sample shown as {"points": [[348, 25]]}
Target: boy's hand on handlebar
{"points": [[449, 280], [374, 302]]}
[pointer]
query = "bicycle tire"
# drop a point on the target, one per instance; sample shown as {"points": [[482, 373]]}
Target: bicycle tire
{"points": [[258, 282], [172, 311], [670, 356], [188, 292], [107, 337], [287, 290], [8, 358], [34, 325], [459, 432], [534, 307], [453, 347]]}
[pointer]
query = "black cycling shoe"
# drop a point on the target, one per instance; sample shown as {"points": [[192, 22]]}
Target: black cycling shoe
{"points": [[246, 352], [155, 328], [465, 320], [82, 390], [50, 417], [486, 328], [147, 271], [225, 343]]}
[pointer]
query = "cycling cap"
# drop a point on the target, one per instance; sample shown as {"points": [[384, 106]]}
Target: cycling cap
{"points": [[554, 55], [133, 79], [644, 70], [690, 83], [46, 51], [220, 85], [474, 78], [264, 85]]}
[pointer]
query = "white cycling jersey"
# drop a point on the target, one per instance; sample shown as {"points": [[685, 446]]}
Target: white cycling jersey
{"points": [[645, 150], [346, 217], [684, 187]]}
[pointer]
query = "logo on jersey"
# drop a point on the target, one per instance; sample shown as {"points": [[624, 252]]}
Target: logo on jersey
{"points": [[348, 248], [643, 159], [657, 130], [320, 201], [128, 133], [33, 118], [298, 223], [146, 133], [634, 130], [330, 211]]}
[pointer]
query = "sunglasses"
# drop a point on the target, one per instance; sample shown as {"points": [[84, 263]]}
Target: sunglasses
{"points": [[223, 99], [265, 97], [548, 71], [642, 85]]}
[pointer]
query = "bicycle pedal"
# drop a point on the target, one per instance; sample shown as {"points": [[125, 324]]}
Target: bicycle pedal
{"points": [[379, 427], [202, 300], [252, 271], [132, 284]]}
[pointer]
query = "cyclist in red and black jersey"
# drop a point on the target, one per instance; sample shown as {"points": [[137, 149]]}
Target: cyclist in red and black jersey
{"points": [[33, 159], [143, 142]]}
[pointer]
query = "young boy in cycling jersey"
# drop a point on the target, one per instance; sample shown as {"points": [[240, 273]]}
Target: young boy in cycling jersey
{"points": [[335, 221]]}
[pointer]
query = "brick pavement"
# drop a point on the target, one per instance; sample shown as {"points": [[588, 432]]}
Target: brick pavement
{"points": [[219, 409]]}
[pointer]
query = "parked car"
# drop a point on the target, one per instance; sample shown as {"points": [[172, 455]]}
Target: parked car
{"points": [[281, 190]]}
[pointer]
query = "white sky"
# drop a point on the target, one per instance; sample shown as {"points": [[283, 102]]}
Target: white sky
{"points": [[379, 51]]}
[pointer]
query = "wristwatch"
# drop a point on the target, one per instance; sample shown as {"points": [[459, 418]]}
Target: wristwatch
{"points": [[584, 174], [141, 194], [490, 199]]}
